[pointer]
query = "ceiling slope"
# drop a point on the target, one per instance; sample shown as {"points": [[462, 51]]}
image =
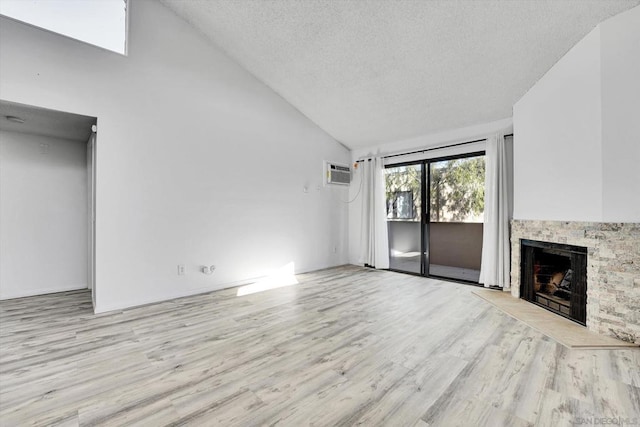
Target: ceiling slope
{"points": [[373, 71]]}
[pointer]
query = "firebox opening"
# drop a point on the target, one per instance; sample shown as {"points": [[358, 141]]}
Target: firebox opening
{"points": [[554, 277]]}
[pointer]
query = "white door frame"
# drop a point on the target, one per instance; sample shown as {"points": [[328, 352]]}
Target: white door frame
{"points": [[91, 187]]}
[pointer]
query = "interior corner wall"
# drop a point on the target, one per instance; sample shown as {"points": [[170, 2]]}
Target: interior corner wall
{"points": [[620, 49], [557, 140], [43, 215], [198, 162]]}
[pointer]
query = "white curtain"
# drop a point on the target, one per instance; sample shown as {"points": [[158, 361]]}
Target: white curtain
{"points": [[374, 245], [498, 202]]}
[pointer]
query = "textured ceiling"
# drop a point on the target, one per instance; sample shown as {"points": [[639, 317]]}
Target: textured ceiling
{"points": [[372, 71], [40, 121]]}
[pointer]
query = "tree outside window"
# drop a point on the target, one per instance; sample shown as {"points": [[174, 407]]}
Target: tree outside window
{"points": [[456, 191]]}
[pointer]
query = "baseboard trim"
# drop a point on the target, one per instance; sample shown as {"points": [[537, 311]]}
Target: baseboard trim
{"points": [[35, 292], [100, 309]]}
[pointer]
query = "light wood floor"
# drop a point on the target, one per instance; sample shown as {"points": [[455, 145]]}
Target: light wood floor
{"points": [[346, 346]]}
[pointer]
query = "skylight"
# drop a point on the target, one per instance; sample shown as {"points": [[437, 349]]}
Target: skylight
{"points": [[101, 23]]}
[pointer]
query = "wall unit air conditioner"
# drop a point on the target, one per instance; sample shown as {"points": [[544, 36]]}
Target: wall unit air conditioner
{"points": [[336, 174]]}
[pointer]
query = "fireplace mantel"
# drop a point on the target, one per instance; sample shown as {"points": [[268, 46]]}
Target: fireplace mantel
{"points": [[613, 269]]}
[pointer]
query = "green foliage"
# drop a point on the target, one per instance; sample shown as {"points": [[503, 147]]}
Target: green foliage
{"points": [[457, 189], [403, 178]]}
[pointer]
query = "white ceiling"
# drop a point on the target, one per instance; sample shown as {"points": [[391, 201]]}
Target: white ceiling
{"points": [[372, 71], [41, 121]]}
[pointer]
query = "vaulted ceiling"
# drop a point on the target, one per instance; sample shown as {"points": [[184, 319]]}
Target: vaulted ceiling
{"points": [[372, 71]]}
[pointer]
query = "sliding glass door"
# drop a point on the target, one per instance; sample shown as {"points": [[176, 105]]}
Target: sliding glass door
{"points": [[456, 210], [435, 210], [404, 217]]}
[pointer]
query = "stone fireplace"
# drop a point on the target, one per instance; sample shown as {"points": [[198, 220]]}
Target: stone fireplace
{"points": [[612, 269]]}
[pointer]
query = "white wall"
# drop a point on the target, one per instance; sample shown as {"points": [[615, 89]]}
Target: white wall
{"points": [[557, 149], [43, 215], [577, 133], [620, 40], [451, 136], [198, 162]]}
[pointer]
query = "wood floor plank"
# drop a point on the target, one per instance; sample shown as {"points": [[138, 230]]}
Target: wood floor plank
{"points": [[346, 346]]}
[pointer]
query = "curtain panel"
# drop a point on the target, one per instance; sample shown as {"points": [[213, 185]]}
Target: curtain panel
{"points": [[374, 240], [498, 202]]}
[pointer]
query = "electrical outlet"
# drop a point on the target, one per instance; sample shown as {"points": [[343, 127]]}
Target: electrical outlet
{"points": [[180, 270], [208, 269]]}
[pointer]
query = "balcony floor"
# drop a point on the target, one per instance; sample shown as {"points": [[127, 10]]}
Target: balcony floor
{"points": [[410, 262]]}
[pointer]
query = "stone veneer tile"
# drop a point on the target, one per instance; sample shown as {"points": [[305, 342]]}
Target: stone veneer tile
{"points": [[613, 269]]}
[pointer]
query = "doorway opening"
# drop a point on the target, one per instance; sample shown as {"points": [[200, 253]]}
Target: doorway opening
{"points": [[435, 211], [47, 192]]}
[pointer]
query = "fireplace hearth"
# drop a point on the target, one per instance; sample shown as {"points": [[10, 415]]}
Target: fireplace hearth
{"points": [[554, 276]]}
